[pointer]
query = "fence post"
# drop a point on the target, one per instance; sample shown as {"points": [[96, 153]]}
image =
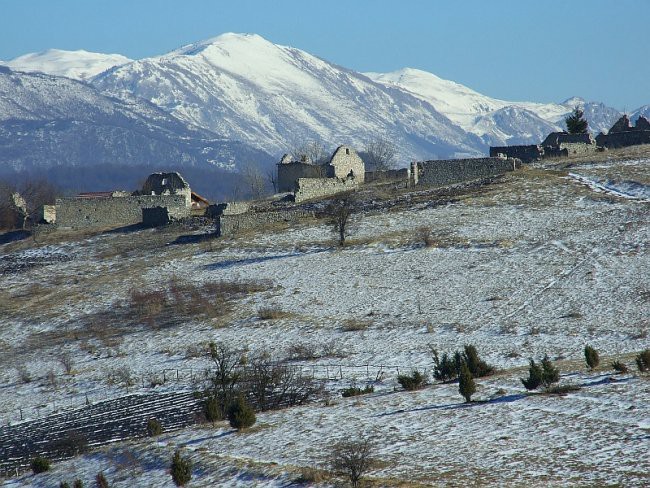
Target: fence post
{"points": [[164, 376], [176, 376], [341, 371]]}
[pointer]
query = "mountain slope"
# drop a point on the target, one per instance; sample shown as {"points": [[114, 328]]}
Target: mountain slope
{"points": [[272, 97], [497, 122], [48, 122], [79, 65]]}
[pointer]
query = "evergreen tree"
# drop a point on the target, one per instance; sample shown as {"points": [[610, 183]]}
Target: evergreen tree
{"points": [[240, 414], [591, 357], [466, 385], [576, 123], [476, 365], [181, 469], [550, 374], [535, 374]]}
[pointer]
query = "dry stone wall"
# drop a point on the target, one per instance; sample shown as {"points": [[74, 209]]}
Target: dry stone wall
{"points": [[228, 225], [525, 153], [450, 171], [75, 213], [309, 188]]}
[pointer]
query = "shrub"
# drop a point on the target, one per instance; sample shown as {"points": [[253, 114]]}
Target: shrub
{"points": [[40, 465], [64, 484], [445, 369], [72, 443], [414, 381], [240, 414], [270, 313], [78, 483], [24, 376], [466, 385], [352, 459], [561, 389], [591, 357], [101, 481], [535, 374], [67, 362], [477, 367], [212, 409], [355, 391], [309, 476], [181, 469], [643, 361], [550, 374], [154, 427], [619, 367]]}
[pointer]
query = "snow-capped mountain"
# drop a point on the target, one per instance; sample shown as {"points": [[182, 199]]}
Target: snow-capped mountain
{"points": [[48, 122], [497, 122], [247, 88], [79, 65]]}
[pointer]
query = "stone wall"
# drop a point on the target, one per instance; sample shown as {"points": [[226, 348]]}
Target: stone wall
{"points": [[524, 153], [226, 208], [308, 188], [77, 213], [346, 162], [623, 139], [158, 216], [289, 173], [389, 175], [578, 148], [228, 225], [450, 171]]}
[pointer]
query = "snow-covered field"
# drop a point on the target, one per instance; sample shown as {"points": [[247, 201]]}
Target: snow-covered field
{"points": [[542, 262]]}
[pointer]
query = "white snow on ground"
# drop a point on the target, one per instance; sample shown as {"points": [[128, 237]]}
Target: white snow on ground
{"points": [[536, 265], [625, 189]]}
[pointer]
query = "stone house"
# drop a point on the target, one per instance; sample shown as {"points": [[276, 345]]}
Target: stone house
{"points": [[344, 171]]}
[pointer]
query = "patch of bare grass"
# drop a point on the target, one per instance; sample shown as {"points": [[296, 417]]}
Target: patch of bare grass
{"points": [[355, 325], [271, 313]]}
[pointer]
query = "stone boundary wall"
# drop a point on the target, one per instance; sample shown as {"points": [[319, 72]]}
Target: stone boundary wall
{"points": [[525, 153], [450, 171], [623, 139], [309, 188], [577, 148], [77, 213], [389, 175], [227, 208], [228, 225], [159, 216]]}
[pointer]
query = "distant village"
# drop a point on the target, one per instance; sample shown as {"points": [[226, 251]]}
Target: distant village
{"points": [[167, 197]]}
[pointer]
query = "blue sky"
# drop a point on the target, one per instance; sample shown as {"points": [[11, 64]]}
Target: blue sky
{"points": [[516, 50]]}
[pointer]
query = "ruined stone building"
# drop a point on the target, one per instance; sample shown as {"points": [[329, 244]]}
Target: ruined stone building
{"points": [[167, 191], [344, 171], [556, 144], [623, 134]]}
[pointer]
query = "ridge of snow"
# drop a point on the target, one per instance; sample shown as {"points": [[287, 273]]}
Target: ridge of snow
{"points": [[79, 65]]}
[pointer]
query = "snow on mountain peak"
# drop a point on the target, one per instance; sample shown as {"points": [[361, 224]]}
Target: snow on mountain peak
{"points": [[80, 64]]}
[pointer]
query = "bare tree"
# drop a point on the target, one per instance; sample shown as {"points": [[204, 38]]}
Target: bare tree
{"points": [[309, 151], [227, 374], [37, 193], [352, 459], [272, 176], [380, 154], [339, 214], [254, 180]]}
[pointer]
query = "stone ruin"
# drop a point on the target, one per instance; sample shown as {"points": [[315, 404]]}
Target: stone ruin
{"points": [[168, 193], [622, 134], [344, 171]]}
